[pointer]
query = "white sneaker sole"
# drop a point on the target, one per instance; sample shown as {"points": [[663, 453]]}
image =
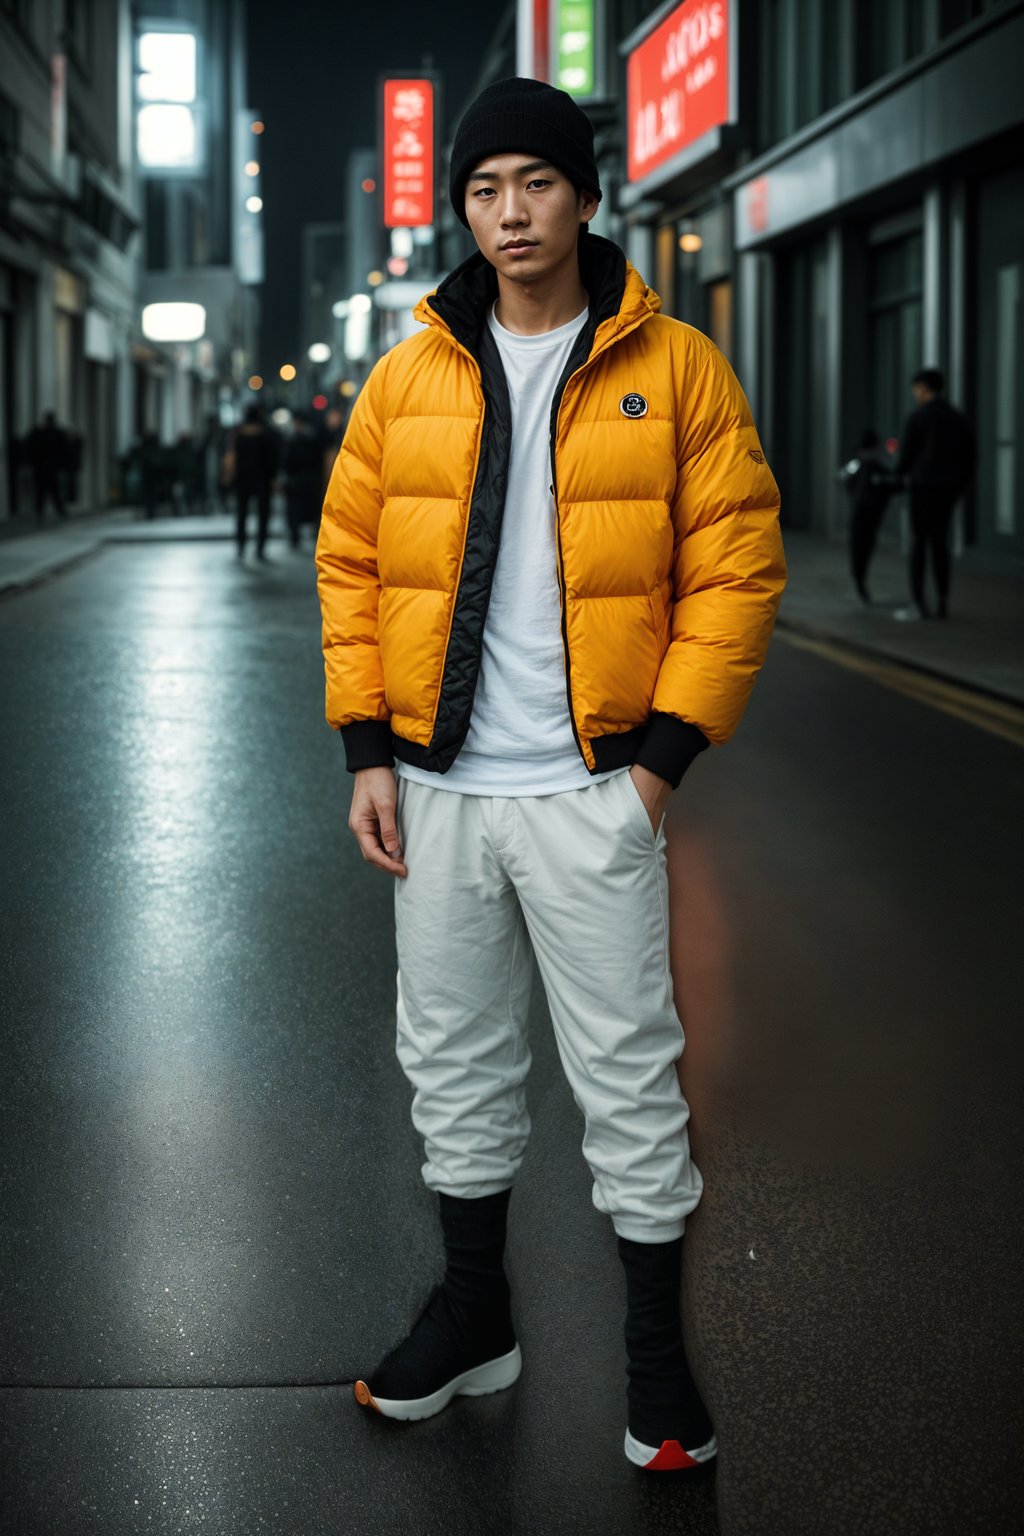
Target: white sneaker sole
{"points": [[492, 1376], [669, 1456]]}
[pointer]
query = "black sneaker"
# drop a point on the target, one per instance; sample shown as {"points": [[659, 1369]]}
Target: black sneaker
{"points": [[448, 1354]]}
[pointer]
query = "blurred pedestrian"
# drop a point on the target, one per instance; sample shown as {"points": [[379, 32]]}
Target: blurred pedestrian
{"points": [[333, 437], [46, 449], [255, 464], [869, 483], [301, 463], [937, 457], [152, 473], [187, 472], [545, 620]]}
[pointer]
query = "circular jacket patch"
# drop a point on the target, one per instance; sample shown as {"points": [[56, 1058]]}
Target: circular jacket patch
{"points": [[633, 405]]}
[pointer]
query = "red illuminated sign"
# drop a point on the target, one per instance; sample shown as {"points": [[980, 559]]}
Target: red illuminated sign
{"points": [[408, 153], [678, 84]]}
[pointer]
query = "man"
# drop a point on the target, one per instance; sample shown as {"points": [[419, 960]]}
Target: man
{"points": [[255, 467], [549, 563], [937, 456], [46, 449]]}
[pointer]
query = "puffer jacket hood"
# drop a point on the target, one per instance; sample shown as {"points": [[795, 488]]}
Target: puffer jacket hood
{"points": [[670, 564]]}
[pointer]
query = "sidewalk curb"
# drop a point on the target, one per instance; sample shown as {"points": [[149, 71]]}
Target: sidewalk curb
{"points": [[11, 585], [812, 631]]}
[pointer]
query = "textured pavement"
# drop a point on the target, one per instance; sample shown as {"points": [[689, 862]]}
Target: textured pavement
{"points": [[210, 1188]]}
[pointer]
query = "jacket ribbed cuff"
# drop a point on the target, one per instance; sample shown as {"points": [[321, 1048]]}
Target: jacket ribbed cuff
{"points": [[367, 745], [670, 746]]}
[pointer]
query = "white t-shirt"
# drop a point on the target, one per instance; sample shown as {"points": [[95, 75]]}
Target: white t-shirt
{"points": [[520, 739]]}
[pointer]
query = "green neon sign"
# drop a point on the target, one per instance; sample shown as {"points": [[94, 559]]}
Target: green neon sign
{"points": [[574, 46]]}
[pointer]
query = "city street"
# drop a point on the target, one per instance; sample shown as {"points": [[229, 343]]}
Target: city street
{"points": [[214, 1214]]}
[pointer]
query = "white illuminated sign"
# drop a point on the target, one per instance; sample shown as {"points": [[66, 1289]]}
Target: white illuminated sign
{"points": [[168, 128], [167, 64], [167, 137], [173, 322]]}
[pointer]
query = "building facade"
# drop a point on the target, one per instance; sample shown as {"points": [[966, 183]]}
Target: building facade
{"points": [[89, 236], [855, 213]]}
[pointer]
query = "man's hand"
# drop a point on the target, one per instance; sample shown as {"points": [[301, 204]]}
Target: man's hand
{"points": [[653, 791], [372, 819]]}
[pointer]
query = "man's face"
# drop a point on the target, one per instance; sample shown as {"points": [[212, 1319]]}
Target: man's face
{"points": [[524, 215], [922, 393]]}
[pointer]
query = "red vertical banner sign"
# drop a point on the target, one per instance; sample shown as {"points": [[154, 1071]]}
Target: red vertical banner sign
{"points": [[542, 39], [677, 84], [408, 113]]}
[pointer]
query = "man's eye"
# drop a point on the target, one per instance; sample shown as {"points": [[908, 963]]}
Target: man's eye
{"points": [[538, 181]]}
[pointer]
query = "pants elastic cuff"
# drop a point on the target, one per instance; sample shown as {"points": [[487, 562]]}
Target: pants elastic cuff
{"points": [[639, 1231]]}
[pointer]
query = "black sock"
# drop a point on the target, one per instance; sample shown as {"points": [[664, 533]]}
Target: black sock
{"points": [[474, 1281], [664, 1403], [467, 1320]]}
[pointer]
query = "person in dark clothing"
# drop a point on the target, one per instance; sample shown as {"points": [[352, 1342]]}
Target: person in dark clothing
{"points": [[303, 466], [869, 483], [46, 449], [937, 456], [255, 467], [151, 472]]}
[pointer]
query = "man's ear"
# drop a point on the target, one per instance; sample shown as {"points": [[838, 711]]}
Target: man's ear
{"points": [[586, 205]]}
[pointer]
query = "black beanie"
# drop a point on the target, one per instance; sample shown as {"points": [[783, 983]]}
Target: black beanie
{"points": [[529, 117]]}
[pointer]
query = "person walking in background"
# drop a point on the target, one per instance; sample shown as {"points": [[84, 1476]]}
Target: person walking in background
{"points": [[255, 464], [869, 483], [937, 457], [302, 463], [549, 563], [46, 449], [152, 472]]}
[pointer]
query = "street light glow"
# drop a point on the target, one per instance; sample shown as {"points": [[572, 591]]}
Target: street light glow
{"points": [[254, 204], [375, 278], [360, 304], [691, 242], [252, 167], [319, 352], [256, 381], [339, 309], [257, 126], [287, 372]]}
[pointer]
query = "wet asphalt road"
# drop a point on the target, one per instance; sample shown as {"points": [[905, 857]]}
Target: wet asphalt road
{"points": [[211, 1197]]}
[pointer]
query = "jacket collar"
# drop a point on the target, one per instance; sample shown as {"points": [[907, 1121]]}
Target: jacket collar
{"points": [[620, 300]]}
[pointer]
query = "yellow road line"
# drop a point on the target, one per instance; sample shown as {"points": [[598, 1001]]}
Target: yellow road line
{"points": [[996, 716]]}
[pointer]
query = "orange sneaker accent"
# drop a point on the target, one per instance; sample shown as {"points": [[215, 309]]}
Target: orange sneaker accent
{"points": [[671, 1458], [365, 1397]]}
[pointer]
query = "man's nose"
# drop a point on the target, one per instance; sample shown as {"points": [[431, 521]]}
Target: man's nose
{"points": [[513, 209]]}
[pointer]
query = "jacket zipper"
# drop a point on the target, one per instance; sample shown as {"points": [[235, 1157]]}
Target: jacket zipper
{"points": [[563, 594]]}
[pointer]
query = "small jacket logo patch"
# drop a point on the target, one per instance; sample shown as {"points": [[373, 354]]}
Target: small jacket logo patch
{"points": [[633, 406], [758, 458]]}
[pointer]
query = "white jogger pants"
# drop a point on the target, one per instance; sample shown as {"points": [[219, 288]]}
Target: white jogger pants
{"points": [[580, 879]]}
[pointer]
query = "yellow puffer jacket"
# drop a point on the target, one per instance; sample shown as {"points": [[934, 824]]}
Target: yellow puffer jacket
{"points": [[670, 559]]}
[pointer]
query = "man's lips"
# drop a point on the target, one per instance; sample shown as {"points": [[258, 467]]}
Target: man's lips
{"points": [[519, 245]]}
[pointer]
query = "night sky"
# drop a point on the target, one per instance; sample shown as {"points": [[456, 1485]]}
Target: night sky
{"points": [[313, 71]]}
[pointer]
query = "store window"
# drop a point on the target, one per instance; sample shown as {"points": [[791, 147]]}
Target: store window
{"points": [[801, 65], [954, 14], [895, 335], [999, 363], [799, 453]]}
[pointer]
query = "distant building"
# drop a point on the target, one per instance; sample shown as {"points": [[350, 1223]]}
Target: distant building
{"points": [[89, 236]]}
